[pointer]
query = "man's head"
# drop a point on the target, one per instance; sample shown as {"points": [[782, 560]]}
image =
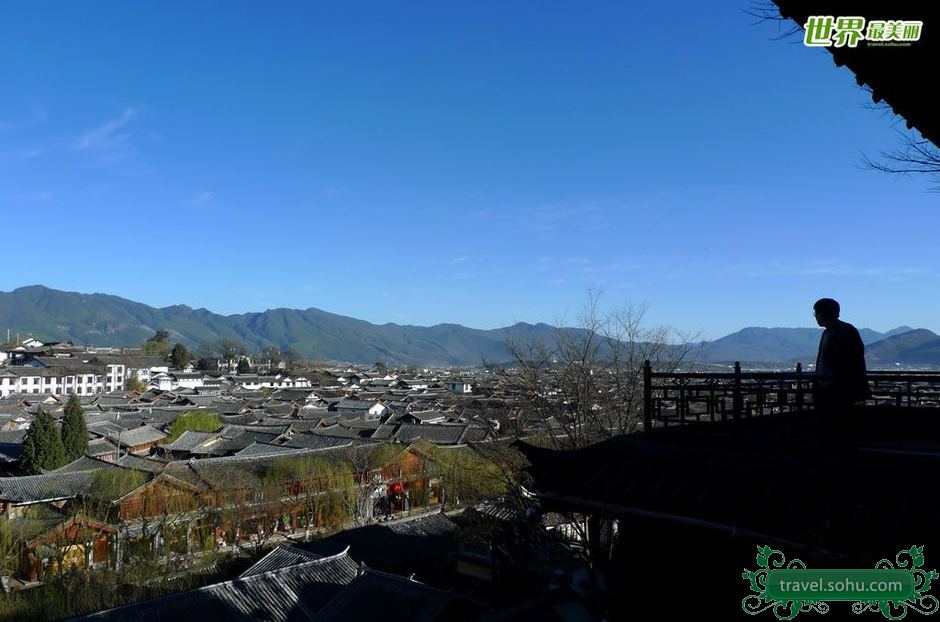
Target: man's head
{"points": [[826, 311]]}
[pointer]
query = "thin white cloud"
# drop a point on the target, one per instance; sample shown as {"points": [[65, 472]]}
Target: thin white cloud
{"points": [[203, 198], [37, 116], [108, 136], [826, 268], [35, 197], [22, 154]]}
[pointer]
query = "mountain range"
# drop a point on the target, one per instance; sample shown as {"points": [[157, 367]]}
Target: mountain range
{"points": [[101, 319], [789, 345]]}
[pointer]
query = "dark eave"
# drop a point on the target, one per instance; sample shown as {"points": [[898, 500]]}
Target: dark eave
{"points": [[901, 76]]}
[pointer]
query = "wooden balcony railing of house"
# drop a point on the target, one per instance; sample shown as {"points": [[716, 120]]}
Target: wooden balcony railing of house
{"points": [[671, 398]]}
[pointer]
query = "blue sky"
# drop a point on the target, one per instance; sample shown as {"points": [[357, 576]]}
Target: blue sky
{"points": [[471, 162]]}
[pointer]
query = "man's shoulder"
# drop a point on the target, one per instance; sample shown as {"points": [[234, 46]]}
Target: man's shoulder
{"points": [[846, 327], [847, 331]]}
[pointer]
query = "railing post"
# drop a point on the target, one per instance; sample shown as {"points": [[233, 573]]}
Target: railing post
{"points": [[799, 387], [736, 398], [647, 396]]}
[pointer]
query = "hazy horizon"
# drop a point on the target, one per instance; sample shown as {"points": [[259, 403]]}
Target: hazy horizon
{"points": [[379, 323]]}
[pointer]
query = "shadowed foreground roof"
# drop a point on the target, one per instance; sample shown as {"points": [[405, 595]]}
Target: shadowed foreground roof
{"points": [[763, 476], [397, 545], [293, 593], [281, 556], [379, 596]]}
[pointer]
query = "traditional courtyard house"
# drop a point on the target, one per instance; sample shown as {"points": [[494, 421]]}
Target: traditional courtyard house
{"points": [[251, 382], [187, 380], [440, 434], [162, 381], [366, 409], [248, 497], [140, 440], [422, 416], [459, 386], [9, 382], [228, 441], [138, 366], [54, 376], [61, 544], [18, 494], [182, 448], [103, 449]]}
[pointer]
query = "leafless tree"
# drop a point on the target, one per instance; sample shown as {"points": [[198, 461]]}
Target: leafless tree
{"points": [[913, 156], [586, 383]]}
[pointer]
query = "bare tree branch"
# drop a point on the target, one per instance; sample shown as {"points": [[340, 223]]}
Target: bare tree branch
{"points": [[914, 156]]}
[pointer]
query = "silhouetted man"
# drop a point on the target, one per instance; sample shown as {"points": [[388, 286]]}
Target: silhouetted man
{"points": [[840, 365]]}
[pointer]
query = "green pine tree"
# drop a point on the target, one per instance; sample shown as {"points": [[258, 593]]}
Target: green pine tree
{"points": [[31, 459], [74, 431], [42, 445], [179, 356]]}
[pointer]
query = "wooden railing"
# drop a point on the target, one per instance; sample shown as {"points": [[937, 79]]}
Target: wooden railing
{"points": [[679, 397]]}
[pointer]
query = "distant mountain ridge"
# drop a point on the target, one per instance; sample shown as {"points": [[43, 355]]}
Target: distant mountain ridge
{"points": [[102, 319], [915, 347], [778, 345]]}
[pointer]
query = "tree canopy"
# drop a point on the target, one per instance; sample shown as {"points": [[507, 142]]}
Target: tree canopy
{"points": [[196, 420], [180, 356], [158, 344], [74, 430], [42, 445]]}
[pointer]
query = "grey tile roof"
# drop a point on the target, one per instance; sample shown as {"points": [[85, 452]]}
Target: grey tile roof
{"points": [[106, 427], [298, 425], [84, 463], [101, 447], [138, 436], [141, 464], [396, 546], [337, 430], [267, 449], [373, 595], [440, 434], [47, 486], [188, 440], [224, 472], [282, 556], [296, 592], [384, 432], [308, 440], [229, 446]]}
